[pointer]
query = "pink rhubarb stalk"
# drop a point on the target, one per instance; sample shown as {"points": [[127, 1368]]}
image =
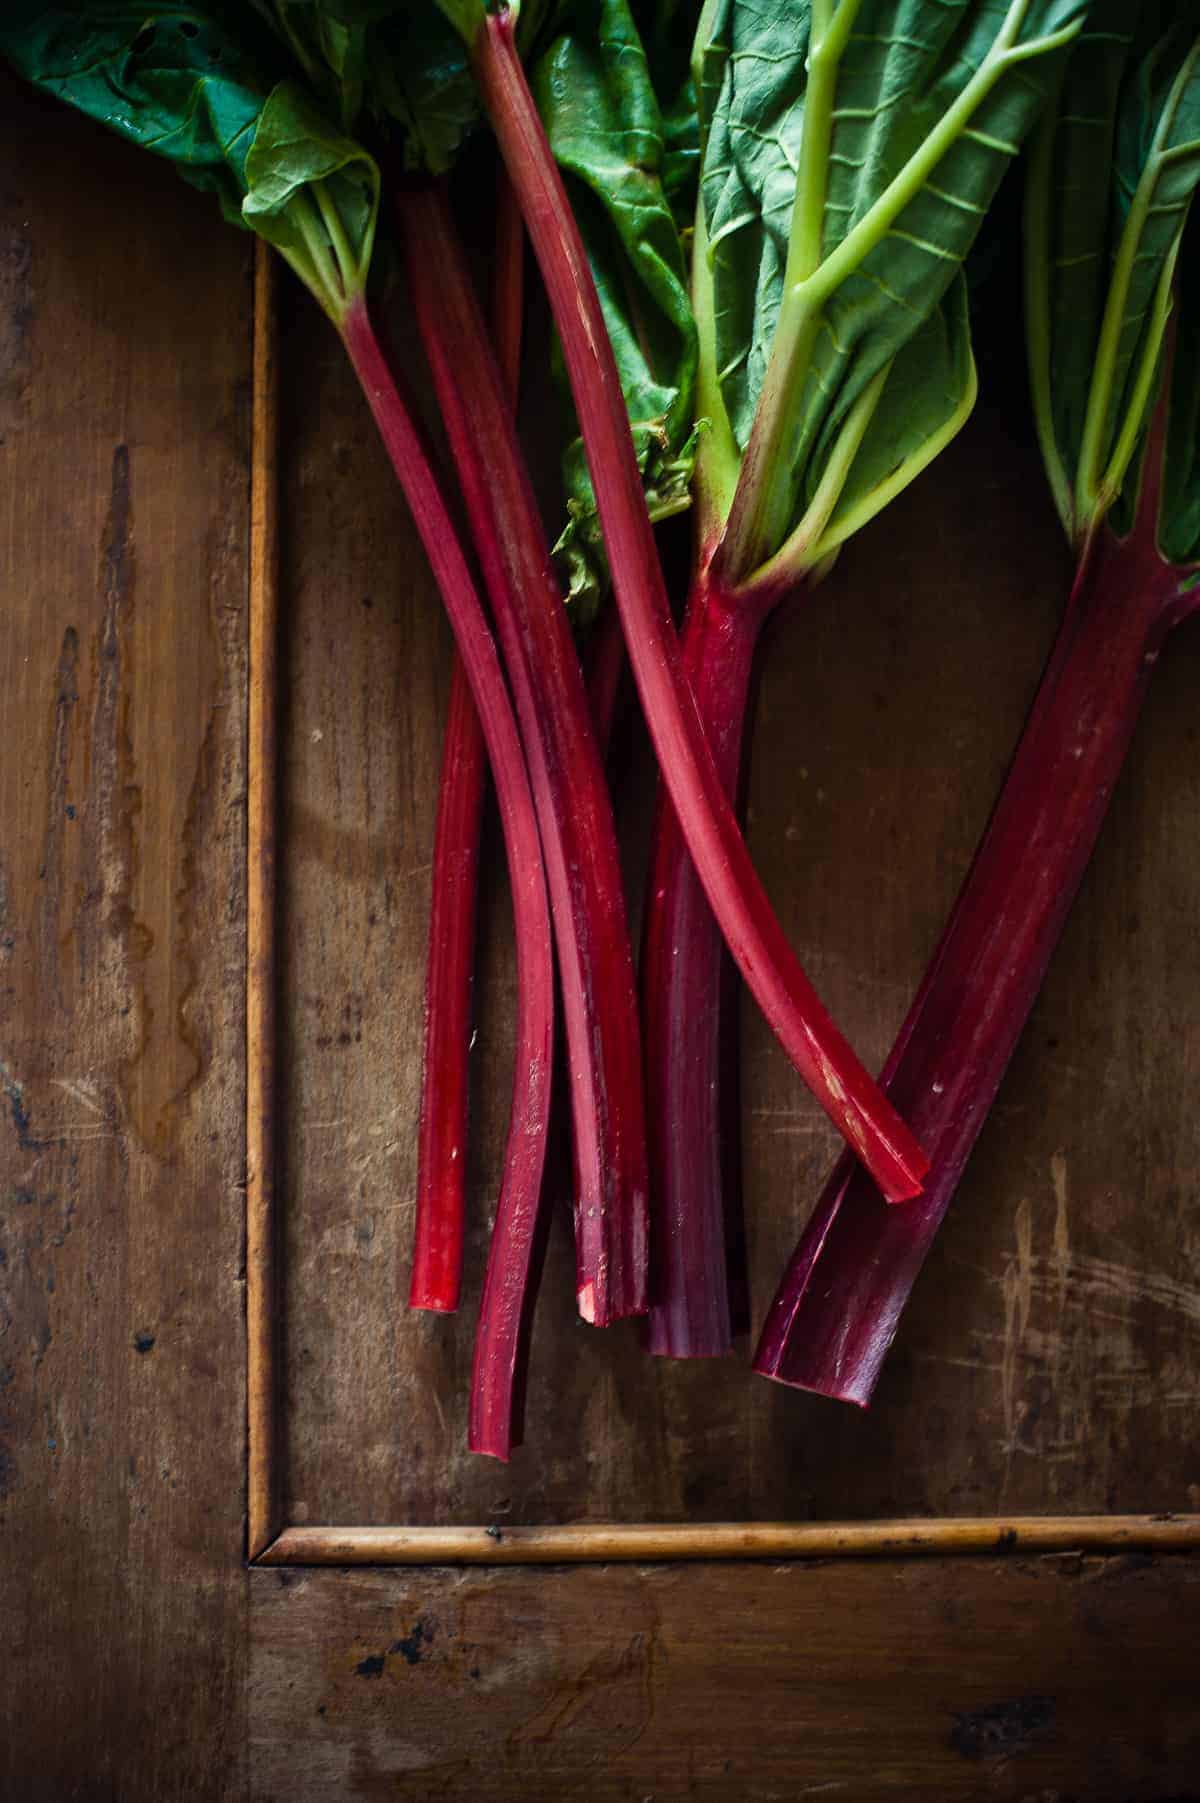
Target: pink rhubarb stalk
{"points": [[442, 1127], [821, 1055], [503, 1311], [574, 811], [442, 1130]]}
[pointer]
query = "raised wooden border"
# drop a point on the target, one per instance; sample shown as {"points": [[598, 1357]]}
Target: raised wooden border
{"points": [[269, 1540], [263, 1487], [651, 1542]]}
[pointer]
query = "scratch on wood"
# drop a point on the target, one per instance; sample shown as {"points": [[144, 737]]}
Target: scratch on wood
{"points": [[50, 873], [1018, 1298], [1062, 1238]]}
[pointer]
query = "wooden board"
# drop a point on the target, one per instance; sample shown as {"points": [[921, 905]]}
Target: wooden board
{"points": [[1048, 1363], [1051, 1682], [139, 1661], [124, 470]]}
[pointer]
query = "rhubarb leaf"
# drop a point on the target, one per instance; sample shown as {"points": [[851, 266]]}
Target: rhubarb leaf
{"points": [[597, 101], [402, 68], [185, 84], [303, 177], [667, 29], [174, 79], [1100, 255], [420, 82], [927, 392], [848, 161]]}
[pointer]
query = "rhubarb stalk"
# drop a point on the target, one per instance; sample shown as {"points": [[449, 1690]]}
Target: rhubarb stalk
{"points": [[831, 378], [689, 1042], [574, 811], [436, 1276], [754, 936], [1107, 242], [502, 1315], [442, 1128], [836, 1310]]}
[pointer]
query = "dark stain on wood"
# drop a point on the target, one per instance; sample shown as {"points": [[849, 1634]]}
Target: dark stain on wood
{"points": [[1000, 1730], [410, 1646]]}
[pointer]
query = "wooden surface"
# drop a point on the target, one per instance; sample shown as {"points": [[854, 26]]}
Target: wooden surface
{"points": [[1050, 1360], [124, 488], [860, 1682]]}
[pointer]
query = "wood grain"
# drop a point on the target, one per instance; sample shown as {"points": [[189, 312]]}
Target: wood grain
{"points": [[1048, 1363], [1044, 1681], [124, 440]]}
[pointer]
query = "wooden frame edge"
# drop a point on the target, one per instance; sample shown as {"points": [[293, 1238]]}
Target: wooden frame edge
{"points": [[269, 1542], [651, 1544], [263, 1487]]}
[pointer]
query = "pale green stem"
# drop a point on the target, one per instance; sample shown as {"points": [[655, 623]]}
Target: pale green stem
{"points": [[1100, 396], [318, 271], [1037, 234], [757, 511], [800, 548], [905, 186], [759, 508], [1143, 388], [803, 556], [702, 38], [717, 456], [347, 267], [808, 209], [856, 517]]}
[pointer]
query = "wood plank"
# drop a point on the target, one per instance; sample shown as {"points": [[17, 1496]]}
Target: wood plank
{"points": [[1049, 1361], [943, 1680], [124, 364]]}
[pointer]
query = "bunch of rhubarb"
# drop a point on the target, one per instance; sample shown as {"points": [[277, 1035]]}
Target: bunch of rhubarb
{"points": [[751, 225]]}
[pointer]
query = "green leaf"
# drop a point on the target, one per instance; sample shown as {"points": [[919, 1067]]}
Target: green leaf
{"points": [[421, 83], [849, 157], [175, 79], [1100, 252], [329, 43], [402, 70], [186, 84], [1179, 513], [597, 101], [667, 29], [926, 395], [310, 188]]}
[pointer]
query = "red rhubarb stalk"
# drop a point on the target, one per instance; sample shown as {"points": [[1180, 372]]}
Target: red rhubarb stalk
{"points": [[792, 1008], [574, 811], [442, 1131], [836, 1311], [605, 667], [503, 1311], [687, 1039], [442, 1128]]}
